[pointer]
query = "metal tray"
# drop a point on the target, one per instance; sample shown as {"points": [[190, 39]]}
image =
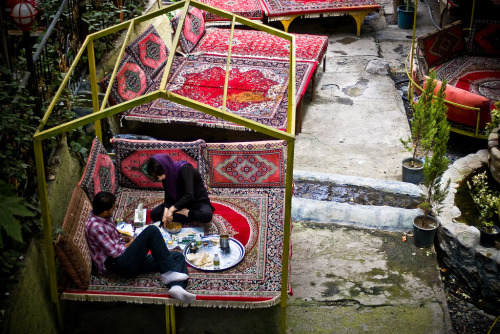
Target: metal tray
{"points": [[228, 259]]}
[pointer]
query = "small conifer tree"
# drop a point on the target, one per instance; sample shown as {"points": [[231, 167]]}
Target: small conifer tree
{"points": [[423, 123], [437, 163]]}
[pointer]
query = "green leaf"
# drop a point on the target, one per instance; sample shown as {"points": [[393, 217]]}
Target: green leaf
{"points": [[10, 207]]}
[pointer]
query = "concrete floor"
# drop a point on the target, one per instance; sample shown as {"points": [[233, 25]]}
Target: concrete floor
{"points": [[344, 279]]}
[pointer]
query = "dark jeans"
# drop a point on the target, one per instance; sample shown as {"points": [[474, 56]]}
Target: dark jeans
{"points": [[201, 212], [136, 259]]}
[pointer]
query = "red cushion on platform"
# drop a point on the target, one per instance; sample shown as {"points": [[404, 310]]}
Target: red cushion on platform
{"points": [[485, 40], [465, 116], [439, 46], [193, 29], [149, 52], [99, 174], [71, 247]]}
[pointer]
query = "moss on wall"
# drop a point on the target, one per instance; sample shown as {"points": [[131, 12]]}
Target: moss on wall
{"points": [[31, 309], [67, 170]]}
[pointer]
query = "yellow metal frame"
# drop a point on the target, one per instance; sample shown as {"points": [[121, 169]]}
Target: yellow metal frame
{"points": [[101, 112], [476, 132], [358, 16]]}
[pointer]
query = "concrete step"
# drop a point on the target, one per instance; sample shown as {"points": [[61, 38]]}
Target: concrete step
{"points": [[350, 214]]}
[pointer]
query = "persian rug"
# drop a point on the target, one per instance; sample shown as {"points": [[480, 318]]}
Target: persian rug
{"points": [[252, 216], [257, 90], [313, 8], [256, 43], [249, 9], [478, 75]]}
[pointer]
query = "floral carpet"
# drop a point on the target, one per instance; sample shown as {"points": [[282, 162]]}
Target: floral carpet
{"points": [[257, 90], [252, 216], [255, 43]]}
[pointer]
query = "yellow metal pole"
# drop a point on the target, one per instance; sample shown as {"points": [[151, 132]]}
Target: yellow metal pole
{"points": [[290, 126], [228, 66], [115, 69], [172, 319], [472, 14], [175, 43], [287, 230], [63, 84], [47, 229], [410, 91], [93, 87]]}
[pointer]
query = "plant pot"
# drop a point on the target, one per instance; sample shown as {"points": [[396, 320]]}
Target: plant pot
{"points": [[413, 175], [487, 239], [405, 18], [423, 236]]}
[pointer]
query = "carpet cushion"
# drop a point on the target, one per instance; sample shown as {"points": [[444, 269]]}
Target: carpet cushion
{"points": [[132, 157], [246, 164], [193, 29], [131, 81], [254, 216], [441, 45], [485, 39], [71, 247], [99, 174], [249, 9], [465, 116], [149, 52]]}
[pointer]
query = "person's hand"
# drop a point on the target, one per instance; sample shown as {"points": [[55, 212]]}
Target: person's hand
{"points": [[128, 240]]}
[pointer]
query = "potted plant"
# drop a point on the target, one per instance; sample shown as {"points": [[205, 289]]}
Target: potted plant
{"points": [[492, 129], [406, 14], [486, 201], [423, 131], [425, 225]]}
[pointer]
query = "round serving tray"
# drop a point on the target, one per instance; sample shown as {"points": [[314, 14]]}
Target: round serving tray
{"points": [[228, 258]]}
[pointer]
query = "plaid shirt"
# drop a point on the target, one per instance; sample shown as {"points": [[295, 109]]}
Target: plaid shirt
{"points": [[104, 240]]}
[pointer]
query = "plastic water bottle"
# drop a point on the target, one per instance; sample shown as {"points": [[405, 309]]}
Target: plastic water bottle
{"points": [[216, 261]]}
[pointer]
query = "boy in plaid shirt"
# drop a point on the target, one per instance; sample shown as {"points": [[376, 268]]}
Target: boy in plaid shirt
{"points": [[129, 256]]}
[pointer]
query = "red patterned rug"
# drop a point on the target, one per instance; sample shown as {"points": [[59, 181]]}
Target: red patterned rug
{"points": [[257, 90], [255, 282], [479, 75], [249, 9], [255, 43], [282, 8]]}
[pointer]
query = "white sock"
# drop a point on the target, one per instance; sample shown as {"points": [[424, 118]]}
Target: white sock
{"points": [[179, 293], [173, 276]]}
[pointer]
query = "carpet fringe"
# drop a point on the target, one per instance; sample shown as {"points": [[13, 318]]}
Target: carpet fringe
{"points": [[170, 121], [168, 301], [311, 16]]}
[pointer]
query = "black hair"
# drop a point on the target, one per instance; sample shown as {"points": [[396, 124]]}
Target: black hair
{"points": [[154, 169], [103, 201]]}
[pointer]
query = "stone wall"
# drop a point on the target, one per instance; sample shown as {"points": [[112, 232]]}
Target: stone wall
{"points": [[478, 266]]}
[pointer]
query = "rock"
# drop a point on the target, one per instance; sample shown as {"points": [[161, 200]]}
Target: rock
{"points": [[378, 66]]}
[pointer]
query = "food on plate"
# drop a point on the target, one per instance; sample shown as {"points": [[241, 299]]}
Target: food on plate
{"points": [[202, 259]]}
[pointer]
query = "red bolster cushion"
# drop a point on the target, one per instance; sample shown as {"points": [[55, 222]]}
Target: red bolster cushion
{"points": [[465, 116]]}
